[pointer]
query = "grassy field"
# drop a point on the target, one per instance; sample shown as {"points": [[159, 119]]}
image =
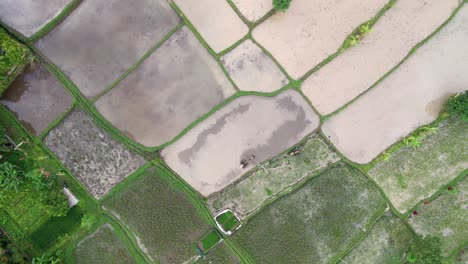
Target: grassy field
{"points": [[446, 217], [55, 227], [387, 243], [221, 254], [317, 222], [414, 173], [160, 214], [209, 241], [272, 177], [228, 221], [104, 247]]}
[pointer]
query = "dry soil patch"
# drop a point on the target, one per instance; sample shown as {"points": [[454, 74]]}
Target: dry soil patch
{"points": [[102, 39], [36, 98], [29, 16], [402, 27], [252, 70], [208, 157], [311, 30], [215, 20], [253, 9], [410, 97], [174, 87], [97, 160]]}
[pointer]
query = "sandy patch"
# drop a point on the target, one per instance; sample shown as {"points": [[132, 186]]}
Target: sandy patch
{"points": [[410, 97], [29, 16], [36, 98], [252, 70], [172, 88], [208, 157], [398, 30], [253, 9], [101, 39], [215, 20], [311, 30]]}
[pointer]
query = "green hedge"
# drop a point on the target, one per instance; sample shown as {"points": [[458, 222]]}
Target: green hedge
{"points": [[14, 56]]}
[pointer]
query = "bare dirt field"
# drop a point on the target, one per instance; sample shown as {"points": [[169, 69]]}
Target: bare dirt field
{"points": [[413, 174], [402, 27], [97, 160], [273, 177], [100, 40], [311, 30], [104, 247], [252, 70], [166, 92], [29, 16], [253, 9], [410, 97], [215, 20], [36, 98], [208, 157]]}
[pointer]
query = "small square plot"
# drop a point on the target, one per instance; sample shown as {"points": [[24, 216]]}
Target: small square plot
{"points": [[100, 40], [97, 160], [252, 70], [29, 16], [36, 98]]}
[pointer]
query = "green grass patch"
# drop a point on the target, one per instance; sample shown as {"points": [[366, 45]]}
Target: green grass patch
{"points": [[104, 247], [387, 243], [445, 217], [158, 210], [209, 241], [55, 227], [228, 221], [14, 57], [316, 223], [412, 173], [219, 255]]}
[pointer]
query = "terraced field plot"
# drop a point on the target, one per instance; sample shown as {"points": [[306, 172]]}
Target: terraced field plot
{"points": [[387, 243], [252, 70], [166, 93], [161, 215], [413, 174], [445, 217], [272, 177], [403, 26], [97, 160], [253, 10], [208, 157], [36, 98], [312, 30], [29, 16], [215, 20], [315, 223], [100, 40], [103, 246], [410, 97]]}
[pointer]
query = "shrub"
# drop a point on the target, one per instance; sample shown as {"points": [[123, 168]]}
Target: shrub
{"points": [[458, 104], [281, 5], [13, 58], [427, 250]]}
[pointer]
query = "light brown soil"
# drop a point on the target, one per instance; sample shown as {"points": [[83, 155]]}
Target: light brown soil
{"points": [[410, 97], [311, 30], [208, 157], [406, 24], [253, 9]]}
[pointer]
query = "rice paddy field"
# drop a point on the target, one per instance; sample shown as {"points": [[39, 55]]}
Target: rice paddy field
{"points": [[413, 174], [102, 246], [446, 217], [317, 223], [386, 243], [161, 215]]}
